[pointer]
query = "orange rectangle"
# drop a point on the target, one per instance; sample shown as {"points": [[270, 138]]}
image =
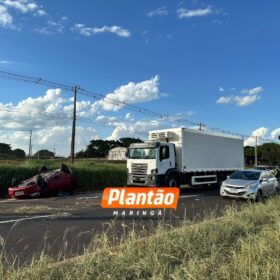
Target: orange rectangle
{"points": [[140, 198]]}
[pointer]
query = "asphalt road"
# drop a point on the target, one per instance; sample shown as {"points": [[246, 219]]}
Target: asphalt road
{"points": [[69, 224]]}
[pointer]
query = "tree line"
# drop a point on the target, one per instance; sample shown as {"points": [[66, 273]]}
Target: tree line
{"points": [[268, 153]]}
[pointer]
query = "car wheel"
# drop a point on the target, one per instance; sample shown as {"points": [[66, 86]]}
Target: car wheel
{"points": [[259, 196]]}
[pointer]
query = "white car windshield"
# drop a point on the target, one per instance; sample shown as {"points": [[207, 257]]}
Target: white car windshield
{"points": [[140, 153], [245, 175]]}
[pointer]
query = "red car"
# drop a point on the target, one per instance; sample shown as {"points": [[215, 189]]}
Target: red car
{"points": [[46, 183]]}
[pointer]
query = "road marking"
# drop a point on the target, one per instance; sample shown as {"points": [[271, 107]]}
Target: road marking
{"points": [[34, 218], [192, 195]]}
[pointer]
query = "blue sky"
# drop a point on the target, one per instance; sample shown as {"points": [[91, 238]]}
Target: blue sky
{"points": [[214, 62]]}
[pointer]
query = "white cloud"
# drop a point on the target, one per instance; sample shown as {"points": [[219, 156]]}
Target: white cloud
{"points": [[92, 31], [130, 94], [246, 100], [129, 117], [264, 135], [25, 6], [140, 127], [6, 19], [190, 113], [52, 27], [275, 134], [225, 100], [162, 11], [29, 113], [58, 137], [221, 89], [252, 91], [242, 101], [5, 62], [184, 13], [105, 119]]}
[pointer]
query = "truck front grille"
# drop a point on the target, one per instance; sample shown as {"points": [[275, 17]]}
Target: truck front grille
{"points": [[139, 172]]}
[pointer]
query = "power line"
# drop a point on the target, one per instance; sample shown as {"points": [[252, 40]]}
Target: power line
{"points": [[104, 98]]}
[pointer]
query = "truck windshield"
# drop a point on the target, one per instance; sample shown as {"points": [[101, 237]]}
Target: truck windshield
{"points": [[245, 175], [140, 153]]}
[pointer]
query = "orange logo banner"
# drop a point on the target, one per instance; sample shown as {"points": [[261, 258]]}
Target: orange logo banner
{"points": [[140, 198]]}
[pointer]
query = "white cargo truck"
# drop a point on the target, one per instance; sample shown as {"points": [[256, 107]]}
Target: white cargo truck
{"points": [[184, 157]]}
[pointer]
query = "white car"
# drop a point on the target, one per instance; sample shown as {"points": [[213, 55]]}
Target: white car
{"points": [[250, 184]]}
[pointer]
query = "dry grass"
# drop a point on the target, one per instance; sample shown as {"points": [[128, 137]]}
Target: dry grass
{"points": [[243, 245]]}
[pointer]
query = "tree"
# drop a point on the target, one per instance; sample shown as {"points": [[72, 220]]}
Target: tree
{"points": [[44, 153], [19, 153], [100, 148], [5, 149], [249, 153], [126, 141]]}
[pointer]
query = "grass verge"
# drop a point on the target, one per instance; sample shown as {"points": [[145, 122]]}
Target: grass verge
{"points": [[243, 245]]}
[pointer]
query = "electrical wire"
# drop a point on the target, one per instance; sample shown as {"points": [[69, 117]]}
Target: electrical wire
{"points": [[122, 104]]}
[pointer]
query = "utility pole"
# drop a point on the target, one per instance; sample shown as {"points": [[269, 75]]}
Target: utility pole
{"points": [[72, 154], [256, 151], [30, 143], [200, 126]]}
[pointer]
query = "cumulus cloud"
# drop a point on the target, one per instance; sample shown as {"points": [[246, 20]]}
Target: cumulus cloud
{"points": [[185, 13], [162, 11], [130, 94], [34, 112], [241, 101], [58, 137], [264, 134], [92, 31], [25, 6], [252, 95], [252, 91], [221, 89], [50, 116], [275, 134], [6, 19], [139, 127]]}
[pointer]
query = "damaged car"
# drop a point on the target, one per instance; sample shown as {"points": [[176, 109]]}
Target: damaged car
{"points": [[47, 182]]}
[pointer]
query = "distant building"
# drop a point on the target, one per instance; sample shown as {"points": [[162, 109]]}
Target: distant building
{"points": [[118, 153]]}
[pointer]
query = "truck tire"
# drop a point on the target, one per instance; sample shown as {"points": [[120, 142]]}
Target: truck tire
{"points": [[172, 181]]}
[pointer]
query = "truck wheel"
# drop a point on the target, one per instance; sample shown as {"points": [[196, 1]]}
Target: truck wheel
{"points": [[172, 181]]}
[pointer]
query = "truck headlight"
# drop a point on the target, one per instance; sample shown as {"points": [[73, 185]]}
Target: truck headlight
{"points": [[154, 171]]}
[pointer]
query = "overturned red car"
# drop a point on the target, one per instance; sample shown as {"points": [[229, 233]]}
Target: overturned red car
{"points": [[47, 182]]}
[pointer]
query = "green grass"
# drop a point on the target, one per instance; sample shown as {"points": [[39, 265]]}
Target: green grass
{"points": [[90, 174], [243, 245]]}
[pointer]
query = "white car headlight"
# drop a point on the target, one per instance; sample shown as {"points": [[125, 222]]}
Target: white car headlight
{"points": [[251, 186]]}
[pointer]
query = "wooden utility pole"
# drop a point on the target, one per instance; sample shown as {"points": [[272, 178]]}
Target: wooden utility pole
{"points": [[72, 154], [256, 151], [30, 143]]}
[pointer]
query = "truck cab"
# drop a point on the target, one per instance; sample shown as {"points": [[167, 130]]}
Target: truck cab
{"points": [[151, 163]]}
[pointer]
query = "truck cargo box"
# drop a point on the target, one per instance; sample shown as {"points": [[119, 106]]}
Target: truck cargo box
{"points": [[202, 151]]}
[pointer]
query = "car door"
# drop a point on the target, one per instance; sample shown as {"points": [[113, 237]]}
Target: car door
{"points": [[271, 181], [265, 184]]}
